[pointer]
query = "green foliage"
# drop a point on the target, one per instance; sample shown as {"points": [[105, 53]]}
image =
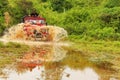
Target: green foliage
{"points": [[10, 45], [90, 19], [26, 8], [3, 8], [19, 12], [60, 5], [43, 0], [2, 28], [13, 45], [112, 3], [1, 44]]}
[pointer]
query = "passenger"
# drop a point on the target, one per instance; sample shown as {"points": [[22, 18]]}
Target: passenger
{"points": [[34, 14]]}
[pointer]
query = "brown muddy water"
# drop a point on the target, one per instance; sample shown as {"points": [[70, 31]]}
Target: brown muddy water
{"points": [[54, 62]]}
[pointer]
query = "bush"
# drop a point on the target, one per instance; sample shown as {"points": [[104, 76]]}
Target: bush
{"points": [[112, 3]]}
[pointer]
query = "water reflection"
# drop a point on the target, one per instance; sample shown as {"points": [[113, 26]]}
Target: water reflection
{"points": [[40, 55], [45, 53], [28, 75], [39, 73], [86, 74], [52, 62]]}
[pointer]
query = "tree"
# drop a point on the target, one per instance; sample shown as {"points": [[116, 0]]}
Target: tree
{"points": [[23, 7], [3, 8], [112, 3], [27, 6], [60, 5]]}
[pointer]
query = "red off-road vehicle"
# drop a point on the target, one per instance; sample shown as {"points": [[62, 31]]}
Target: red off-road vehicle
{"points": [[35, 27]]}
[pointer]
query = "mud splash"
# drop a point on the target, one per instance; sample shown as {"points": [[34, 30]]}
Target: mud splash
{"points": [[33, 43], [16, 32]]}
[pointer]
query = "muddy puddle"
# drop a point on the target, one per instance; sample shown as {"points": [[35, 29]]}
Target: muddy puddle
{"points": [[54, 62]]}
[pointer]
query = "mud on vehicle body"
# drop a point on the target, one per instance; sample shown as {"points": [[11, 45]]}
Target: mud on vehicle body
{"points": [[35, 28]]}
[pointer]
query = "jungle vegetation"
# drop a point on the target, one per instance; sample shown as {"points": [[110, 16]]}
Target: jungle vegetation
{"points": [[83, 19]]}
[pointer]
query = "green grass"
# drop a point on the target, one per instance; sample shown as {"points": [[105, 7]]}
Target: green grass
{"points": [[10, 51], [95, 45]]}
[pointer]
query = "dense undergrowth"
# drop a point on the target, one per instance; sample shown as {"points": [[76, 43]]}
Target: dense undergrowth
{"points": [[89, 19]]}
